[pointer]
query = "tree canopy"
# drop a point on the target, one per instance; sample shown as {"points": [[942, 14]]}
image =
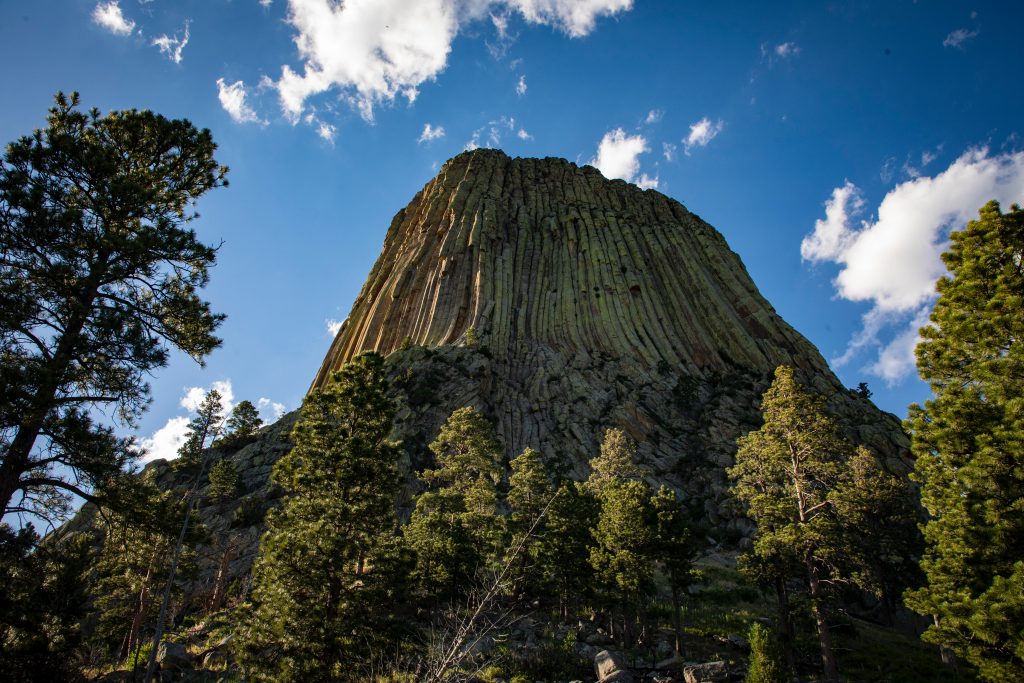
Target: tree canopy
{"points": [[969, 443], [100, 276]]}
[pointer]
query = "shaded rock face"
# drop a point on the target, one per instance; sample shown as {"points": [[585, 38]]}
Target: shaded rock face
{"points": [[560, 304]]}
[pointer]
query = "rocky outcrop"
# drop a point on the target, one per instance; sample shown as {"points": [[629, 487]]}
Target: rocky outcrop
{"points": [[561, 303]]}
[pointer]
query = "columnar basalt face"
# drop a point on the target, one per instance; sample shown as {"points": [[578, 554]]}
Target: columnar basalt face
{"points": [[545, 252], [592, 304]]}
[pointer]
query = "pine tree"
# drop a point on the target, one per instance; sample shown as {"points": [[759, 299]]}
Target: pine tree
{"points": [[969, 447], [784, 472], [224, 480], [328, 572], [203, 430], [563, 552], [455, 529], [766, 665], [241, 425], [615, 461], [99, 278], [675, 548], [530, 491]]}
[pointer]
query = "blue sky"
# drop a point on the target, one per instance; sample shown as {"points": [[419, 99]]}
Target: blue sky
{"points": [[834, 144]]}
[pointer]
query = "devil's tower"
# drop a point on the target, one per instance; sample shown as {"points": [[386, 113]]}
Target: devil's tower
{"points": [[561, 303]]}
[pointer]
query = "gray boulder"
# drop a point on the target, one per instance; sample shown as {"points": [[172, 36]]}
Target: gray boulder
{"points": [[610, 667], [711, 672]]}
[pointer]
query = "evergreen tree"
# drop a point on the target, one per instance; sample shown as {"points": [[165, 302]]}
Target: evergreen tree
{"points": [[203, 430], [224, 480], [563, 552], [621, 555], [328, 571], [455, 529], [99, 276], [241, 425], [615, 461], [784, 472], [530, 491], [969, 447], [41, 605], [766, 665], [675, 548]]}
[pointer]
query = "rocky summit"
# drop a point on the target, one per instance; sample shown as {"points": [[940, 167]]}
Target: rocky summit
{"points": [[561, 303]]}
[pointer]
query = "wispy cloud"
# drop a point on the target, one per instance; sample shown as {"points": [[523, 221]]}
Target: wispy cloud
{"points": [[233, 98], [431, 133], [173, 46], [653, 116], [109, 16], [958, 37], [701, 133], [521, 86]]}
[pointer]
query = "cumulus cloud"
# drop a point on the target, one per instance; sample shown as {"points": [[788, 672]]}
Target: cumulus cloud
{"points": [[958, 37], [431, 133], [618, 156], [701, 133], [109, 16], [326, 131], [523, 135], [270, 411], [653, 116], [233, 98], [173, 46], [892, 260], [521, 86], [333, 326], [165, 442], [376, 50]]}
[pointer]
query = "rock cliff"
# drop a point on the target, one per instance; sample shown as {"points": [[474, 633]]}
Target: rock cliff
{"points": [[561, 303]]}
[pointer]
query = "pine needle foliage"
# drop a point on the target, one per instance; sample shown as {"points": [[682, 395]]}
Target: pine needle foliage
{"points": [[328, 564], [969, 443]]}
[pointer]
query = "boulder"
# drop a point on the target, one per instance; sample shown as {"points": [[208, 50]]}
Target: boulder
{"points": [[174, 657], [711, 672], [610, 667]]}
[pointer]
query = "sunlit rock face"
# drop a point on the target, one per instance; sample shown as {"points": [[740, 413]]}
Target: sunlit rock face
{"points": [[561, 303]]}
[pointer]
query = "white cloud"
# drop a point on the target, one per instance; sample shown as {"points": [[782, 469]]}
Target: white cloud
{"points": [[233, 99], [574, 17], [266, 3], [109, 16], [376, 50], [521, 86], [173, 47], [431, 133], [646, 182], [326, 131], [618, 157], [165, 442], [958, 37], [784, 50], [893, 260], [701, 133], [523, 135], [653, 116], [276, 410], [668, 150], [333, 326], [473, 142]]}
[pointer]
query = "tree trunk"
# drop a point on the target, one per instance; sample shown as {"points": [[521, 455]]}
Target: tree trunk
{"points": [[828, 659], [785, 625], [140, 614], [677, 619], [17, 459], [220, 584], [948, 658]]}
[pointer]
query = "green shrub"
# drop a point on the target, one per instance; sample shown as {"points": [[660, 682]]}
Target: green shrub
{"points": [[766, 664]]}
